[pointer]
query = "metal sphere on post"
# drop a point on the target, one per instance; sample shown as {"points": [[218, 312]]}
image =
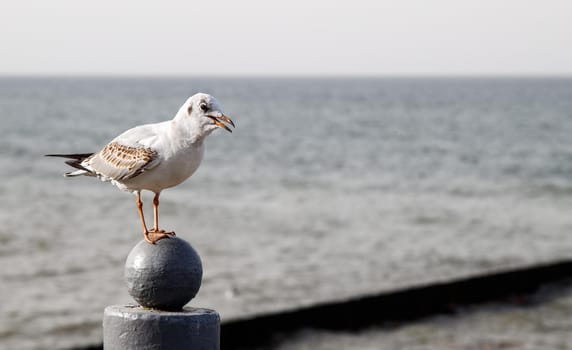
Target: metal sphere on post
{"points": [[165, 275], [162, 278]]}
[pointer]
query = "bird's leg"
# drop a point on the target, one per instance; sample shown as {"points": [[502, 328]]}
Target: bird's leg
{"points": [[150, 236], [156, 218], [156, 213], [142, 217]]}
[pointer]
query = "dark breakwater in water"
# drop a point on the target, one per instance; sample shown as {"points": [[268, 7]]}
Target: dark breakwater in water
{"points": [[389, 309]]}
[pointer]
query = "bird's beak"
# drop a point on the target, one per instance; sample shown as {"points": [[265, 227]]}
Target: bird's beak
{"points": [[219, 122]]}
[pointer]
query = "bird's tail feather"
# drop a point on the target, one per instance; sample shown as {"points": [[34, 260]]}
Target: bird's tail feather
{"points": [[78, 173], [75, 161], [78, 156]]}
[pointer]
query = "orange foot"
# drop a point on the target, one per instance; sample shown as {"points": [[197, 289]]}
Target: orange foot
{"points": [[170, 233], [154, 236]]}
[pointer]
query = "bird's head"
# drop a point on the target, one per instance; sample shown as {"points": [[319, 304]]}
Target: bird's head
{"points": [[202, 112]]}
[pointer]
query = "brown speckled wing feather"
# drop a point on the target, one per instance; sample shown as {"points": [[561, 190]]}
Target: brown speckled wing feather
{"points": [[120, 162]]}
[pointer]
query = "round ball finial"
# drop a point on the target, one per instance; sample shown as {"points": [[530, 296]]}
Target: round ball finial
{"points": [[165, 275]]}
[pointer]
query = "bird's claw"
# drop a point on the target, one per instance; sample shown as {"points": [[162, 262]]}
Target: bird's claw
{"points": [[170, 233], [154, 236]]}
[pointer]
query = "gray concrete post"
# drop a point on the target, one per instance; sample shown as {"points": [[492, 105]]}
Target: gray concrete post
{"points": [[162, 278]]}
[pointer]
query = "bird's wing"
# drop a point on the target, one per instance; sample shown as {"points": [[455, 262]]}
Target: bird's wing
{"points": [[120, 162], [141, 136], [129, 154]]}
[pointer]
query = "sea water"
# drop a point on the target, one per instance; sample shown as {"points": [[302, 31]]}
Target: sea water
{"points": [[328, 189]]}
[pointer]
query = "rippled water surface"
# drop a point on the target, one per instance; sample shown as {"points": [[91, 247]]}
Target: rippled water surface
{"points": [[327, 189]]}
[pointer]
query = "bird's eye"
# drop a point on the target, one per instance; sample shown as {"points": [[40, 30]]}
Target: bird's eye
{"points": [[204, 107]]}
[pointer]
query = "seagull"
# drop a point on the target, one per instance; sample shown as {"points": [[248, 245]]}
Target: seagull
{"points": [[154, 157]]}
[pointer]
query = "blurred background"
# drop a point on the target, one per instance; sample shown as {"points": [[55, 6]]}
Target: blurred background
{"points": [[380, 146]]}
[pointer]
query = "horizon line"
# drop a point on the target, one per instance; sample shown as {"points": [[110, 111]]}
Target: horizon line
{"points": [[564, 75]]}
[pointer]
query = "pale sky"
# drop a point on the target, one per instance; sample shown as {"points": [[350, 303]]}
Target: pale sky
{"points": [[294, 37]]}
